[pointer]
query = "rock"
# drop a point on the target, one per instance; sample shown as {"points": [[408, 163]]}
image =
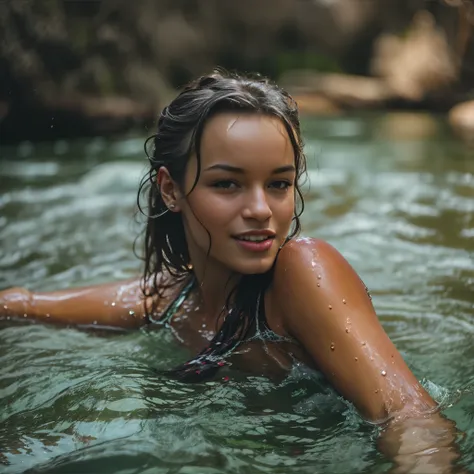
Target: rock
{"points": [[75, 115], [342, 90], [315, 104], [417, 64], [461, 119]]}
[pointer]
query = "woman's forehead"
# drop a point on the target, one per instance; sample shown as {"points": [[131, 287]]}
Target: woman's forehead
{"points": [[235, 135]]}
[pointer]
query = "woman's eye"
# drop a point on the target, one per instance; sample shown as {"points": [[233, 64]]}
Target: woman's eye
{"points": [[224, 184], [281, 185]]}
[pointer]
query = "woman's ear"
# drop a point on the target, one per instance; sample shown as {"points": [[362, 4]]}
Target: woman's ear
{"points": [[169, 189]]}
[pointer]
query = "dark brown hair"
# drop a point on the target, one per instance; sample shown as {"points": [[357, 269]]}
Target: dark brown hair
{"points": [[178, 136]]}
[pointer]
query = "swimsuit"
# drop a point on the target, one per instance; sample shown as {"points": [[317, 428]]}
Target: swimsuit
{"points": [[262, 330], [174, 306]]}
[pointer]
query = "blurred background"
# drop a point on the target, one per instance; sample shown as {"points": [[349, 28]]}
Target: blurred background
{"points": [[73, 68], [386, 92]]}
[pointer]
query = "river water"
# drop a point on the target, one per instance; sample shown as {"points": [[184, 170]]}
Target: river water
{"points": [[396, 198]]}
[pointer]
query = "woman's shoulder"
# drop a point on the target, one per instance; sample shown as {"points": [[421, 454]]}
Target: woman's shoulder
{"points": [[306, 252], [301, 267], [310, 268]]}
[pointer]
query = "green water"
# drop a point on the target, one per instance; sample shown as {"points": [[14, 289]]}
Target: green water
{"points": [[400, 208]]}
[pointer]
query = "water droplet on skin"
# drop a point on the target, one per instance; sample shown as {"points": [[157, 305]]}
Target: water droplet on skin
{"points": [[332, 346], [113, 304], [372, 358], [25, 315], [319, 277], [343, 301], [319, 284], [383, 373], [364, 343], [376, 391], [48, 315], [356, 359], [347, 330], [330, 306], [131, 313], [5, 306]]}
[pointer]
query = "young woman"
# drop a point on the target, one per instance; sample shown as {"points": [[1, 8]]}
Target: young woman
{"points": [[221, 239]]}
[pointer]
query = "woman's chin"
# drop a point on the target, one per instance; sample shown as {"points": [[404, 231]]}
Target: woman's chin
{"points": [[254, 268]]}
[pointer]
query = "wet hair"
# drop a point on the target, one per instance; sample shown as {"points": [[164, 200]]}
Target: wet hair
{"points": [[166, 257]]}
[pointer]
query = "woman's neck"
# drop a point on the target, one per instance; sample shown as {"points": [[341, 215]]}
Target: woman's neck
{"points": [[214, 284], [215, 281]]}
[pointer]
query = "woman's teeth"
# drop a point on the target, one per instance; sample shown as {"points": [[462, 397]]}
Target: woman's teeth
{"points": [[254, 238]]}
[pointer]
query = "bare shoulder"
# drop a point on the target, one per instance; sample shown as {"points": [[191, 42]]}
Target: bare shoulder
{"points": [[303, 255], [323, 303], [309, 251], [311, 273]]}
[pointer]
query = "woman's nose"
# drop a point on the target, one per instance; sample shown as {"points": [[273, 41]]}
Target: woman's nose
{"points": [[256, 206]]}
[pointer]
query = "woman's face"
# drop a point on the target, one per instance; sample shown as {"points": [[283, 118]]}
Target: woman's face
{"points": [[245, 196]]}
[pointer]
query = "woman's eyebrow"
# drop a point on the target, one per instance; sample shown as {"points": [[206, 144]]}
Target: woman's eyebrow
{"points": [[235, 169]]}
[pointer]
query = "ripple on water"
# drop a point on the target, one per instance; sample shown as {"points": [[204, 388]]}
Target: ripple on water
{"points": [[87, 401]]}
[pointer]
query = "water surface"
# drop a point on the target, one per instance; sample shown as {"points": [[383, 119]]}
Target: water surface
{"points": [[399, 207]]}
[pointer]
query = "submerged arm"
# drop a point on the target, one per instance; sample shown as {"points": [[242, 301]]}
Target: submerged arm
{"points": [[325, 305], [117, 304], [420, 444]]}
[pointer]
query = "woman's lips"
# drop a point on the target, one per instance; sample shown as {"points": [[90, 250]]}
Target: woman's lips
{"points": [[255, 246]]}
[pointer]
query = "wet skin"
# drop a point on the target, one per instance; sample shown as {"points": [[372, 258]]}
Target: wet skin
{"points": [[316, 297], [246, 185]]}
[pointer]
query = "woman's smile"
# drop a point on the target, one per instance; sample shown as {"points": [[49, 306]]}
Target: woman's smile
{"points": [[258, 245], [256, 241], [245, 190]]}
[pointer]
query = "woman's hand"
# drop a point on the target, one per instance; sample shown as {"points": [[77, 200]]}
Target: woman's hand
{"points": [[420, 444]]}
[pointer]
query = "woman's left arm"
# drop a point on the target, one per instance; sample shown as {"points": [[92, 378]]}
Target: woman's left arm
{"points": [[324, 304]]}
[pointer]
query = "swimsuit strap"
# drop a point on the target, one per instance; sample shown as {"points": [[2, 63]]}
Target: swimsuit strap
{"points": [[174, 306], [263, 330]]}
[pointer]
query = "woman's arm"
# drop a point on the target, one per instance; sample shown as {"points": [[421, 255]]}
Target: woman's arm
{"points": [[325, 305], [117, 304], [421, 444]]}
